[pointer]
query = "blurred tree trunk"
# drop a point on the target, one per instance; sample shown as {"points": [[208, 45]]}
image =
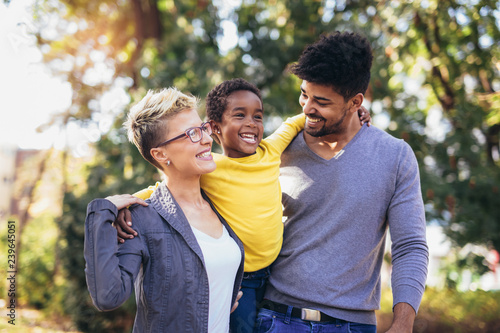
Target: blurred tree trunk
{"points": [[26, 198]]}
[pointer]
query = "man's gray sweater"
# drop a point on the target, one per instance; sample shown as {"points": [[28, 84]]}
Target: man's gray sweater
{"points": [[338, 212]]}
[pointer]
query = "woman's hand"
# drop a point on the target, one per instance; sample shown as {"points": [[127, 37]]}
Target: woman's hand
{"points": [[364, 116], [125, 200], [236, 303]]}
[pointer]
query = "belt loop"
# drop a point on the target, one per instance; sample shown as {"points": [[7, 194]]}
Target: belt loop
{"points": [[288, 314]]}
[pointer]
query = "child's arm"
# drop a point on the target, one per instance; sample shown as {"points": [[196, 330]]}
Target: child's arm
{"points": [[146, 193], [282, 137], [123, 222]]}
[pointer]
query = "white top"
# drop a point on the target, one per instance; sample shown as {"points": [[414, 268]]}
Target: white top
{"points": [[222, 258]]}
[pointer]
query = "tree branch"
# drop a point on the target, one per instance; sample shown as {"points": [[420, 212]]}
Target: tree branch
{"points": [[448, 99]]}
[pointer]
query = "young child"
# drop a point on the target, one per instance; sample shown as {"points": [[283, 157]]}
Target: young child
{"points": [[245, 186]]}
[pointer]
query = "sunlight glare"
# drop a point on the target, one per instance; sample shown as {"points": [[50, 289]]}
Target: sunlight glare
{"points": [[29, 94]]}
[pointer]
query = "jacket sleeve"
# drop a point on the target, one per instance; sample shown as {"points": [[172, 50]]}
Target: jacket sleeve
{"points": [[407, 228], [110, 273]]}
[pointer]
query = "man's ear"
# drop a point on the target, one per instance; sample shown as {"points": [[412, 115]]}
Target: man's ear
{"points": [[356, 102], [159, 155], [215, 131]]}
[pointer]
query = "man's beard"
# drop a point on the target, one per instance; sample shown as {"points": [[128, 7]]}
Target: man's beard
{"points": [[336, 128]]}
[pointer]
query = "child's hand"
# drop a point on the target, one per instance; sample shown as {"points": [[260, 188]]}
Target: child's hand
{"points": [[123, 225], [123, 221], [364, 116]]}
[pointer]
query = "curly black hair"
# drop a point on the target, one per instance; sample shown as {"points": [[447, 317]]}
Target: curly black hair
{"points": [[341, 60], [216, 101]]}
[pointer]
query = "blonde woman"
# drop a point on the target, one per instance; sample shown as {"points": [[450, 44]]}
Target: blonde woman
{"points": [[186, 262]]}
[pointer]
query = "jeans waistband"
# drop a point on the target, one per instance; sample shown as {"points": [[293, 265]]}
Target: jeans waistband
{"points": [[261, 273], [302, 313]]}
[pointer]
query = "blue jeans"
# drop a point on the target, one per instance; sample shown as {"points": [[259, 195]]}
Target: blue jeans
{"points": [[253, 286], [271, 321]]}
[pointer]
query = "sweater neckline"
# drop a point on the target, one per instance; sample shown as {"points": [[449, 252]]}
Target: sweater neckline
{"points": [[246, 159], [340, 153]]}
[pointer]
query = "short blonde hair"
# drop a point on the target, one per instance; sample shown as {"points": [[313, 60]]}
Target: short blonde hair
{"points": [[146, 121]]}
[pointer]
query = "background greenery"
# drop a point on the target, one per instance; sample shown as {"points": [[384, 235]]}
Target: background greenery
{"points": [[434, 84]]}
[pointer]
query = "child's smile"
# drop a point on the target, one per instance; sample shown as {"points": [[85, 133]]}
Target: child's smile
{"points": [[249, 138], [241, 128]]}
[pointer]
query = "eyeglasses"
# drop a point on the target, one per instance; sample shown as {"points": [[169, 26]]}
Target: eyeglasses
{"points": [[194, 134]]}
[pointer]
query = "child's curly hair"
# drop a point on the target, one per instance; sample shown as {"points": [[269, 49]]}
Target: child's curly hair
{"points": [[216, 101], [341, 60]]}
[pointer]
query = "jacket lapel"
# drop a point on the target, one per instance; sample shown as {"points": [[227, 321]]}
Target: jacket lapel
{"points": [[223, 221], [165, 204]]}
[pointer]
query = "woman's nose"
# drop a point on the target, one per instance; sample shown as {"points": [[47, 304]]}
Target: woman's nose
{"points": [[206, 138]]}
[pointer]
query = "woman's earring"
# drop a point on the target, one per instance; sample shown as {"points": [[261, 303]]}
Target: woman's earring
{"points": [[168, 163]]}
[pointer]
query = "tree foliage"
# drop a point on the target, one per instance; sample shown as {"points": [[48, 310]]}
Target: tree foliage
{"points": [[434, 84]]}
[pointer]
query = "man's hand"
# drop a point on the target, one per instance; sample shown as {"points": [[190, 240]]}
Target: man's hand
{"points": [[402, 321], [123, 221], [125, 200], [240, 293], [364, 116]]}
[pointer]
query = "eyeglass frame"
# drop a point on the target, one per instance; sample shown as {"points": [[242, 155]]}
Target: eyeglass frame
{"points": [[186, 134]]}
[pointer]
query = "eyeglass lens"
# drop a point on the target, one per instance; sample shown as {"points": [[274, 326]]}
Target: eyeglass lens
{"points": [[195, 134]]}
